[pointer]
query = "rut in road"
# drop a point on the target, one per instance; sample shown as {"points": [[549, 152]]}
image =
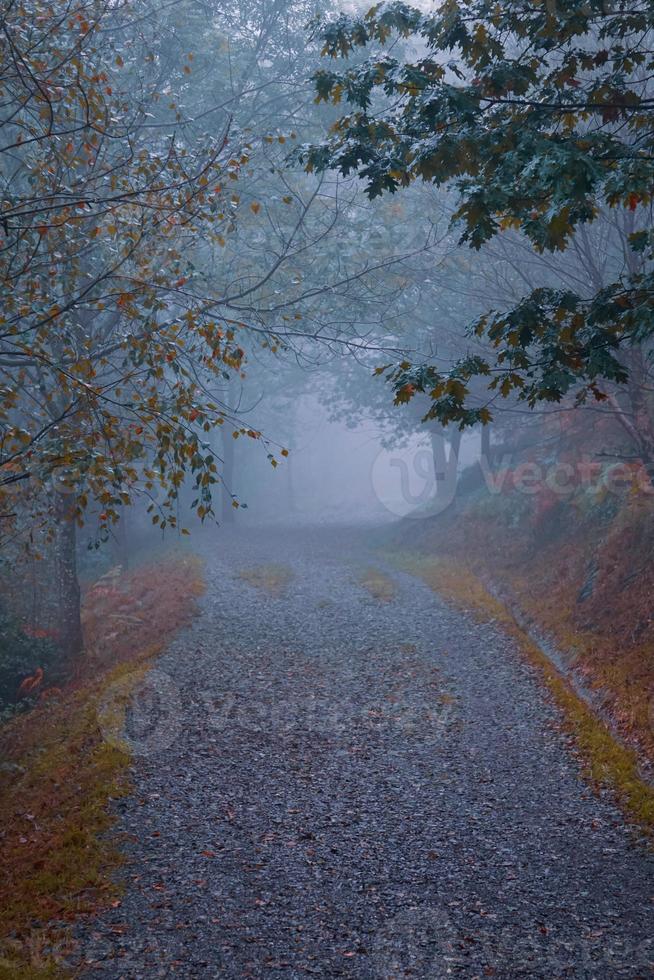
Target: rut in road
{"points": [[333, 785]]}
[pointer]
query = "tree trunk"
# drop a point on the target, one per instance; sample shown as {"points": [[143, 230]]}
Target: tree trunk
{"points": [[226, 509], [291, 497], [486, 444], [638, 420], [120, 547], [69, 620], [446, 462], [641, 407]]}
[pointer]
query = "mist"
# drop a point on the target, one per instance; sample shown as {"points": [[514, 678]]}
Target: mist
{"points": [[326, 489]]}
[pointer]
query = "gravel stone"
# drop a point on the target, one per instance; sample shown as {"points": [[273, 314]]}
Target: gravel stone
{"points": [[328, 785]]}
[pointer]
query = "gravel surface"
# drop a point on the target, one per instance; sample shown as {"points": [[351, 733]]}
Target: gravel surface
{"points": [[331, 785]]}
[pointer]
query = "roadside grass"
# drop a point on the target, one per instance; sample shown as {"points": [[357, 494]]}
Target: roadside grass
{"points": [[582, 576], [273, 579], [60, 775], [607, 762], [380, 586]]}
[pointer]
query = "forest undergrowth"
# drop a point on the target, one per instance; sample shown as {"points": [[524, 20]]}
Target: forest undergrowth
{"points": [[571, 580], [60, 773]]}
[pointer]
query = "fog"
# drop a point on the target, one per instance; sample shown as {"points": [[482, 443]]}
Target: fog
{"points": [[326, 489], [338, 474]]}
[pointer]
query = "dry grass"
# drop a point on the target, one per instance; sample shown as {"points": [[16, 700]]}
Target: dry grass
{"points": [[61, 773], [273, 579], [610, 633], [544, 571], [380, 586], [608, 763]]}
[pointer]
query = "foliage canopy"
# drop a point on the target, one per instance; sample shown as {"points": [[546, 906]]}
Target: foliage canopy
{"points": [[106, 190], [540, 116]]}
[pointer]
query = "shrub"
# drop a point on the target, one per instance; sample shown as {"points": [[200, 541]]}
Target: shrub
{"points": [[22, 651]]}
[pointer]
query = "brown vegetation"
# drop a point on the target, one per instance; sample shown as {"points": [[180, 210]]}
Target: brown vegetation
{"points": [[60, 775], [577, 570], [379, 586], [269, 578]]}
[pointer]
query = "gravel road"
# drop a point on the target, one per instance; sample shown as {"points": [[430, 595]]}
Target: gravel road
{"points": [[330, 785]]}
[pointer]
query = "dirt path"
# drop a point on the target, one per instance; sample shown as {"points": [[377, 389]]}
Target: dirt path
{"points": [[335, 785]]}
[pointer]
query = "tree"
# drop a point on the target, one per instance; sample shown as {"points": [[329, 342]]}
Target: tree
{"points": [[540, 118], [104, 354], [98, 212], [312, 268], [152, 237]]}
